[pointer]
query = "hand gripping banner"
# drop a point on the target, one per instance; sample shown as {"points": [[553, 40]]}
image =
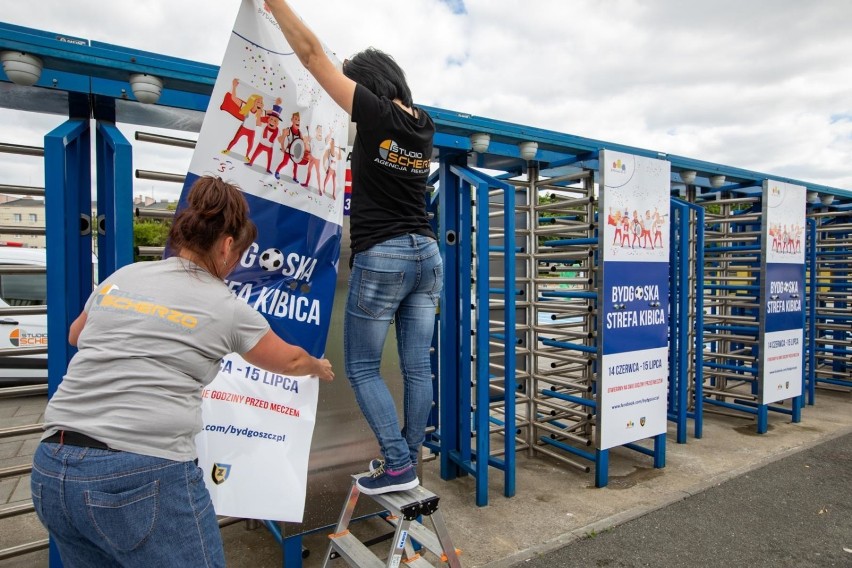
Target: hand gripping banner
{"points": [[274, 132]]}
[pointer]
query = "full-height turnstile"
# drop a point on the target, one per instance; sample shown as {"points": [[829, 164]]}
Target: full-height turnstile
{"points": [[753, 280], [477, 328], [830, 314]]}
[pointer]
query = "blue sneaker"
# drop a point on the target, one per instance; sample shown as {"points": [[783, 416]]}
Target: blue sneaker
{"points": [[385, 481]]}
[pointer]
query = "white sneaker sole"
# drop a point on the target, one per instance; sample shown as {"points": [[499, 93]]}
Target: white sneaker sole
{"points": [[390, 488]]}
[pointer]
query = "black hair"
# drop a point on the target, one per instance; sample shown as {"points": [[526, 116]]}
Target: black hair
{"points": [[378, 72]]}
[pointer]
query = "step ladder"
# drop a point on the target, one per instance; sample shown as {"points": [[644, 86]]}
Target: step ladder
{"points": [[404, 508]]}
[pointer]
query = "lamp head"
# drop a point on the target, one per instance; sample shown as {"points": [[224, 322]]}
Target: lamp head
{"points": [[21, 68], [146, 88], [479, 142], [528, 150], [717, 180], [687, 176]]}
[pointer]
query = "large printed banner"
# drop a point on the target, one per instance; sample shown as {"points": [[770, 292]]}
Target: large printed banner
{"points": [[270, 129], [633, 327], [782, 306]]}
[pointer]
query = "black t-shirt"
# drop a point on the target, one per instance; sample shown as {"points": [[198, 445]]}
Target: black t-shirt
{"points": [[390, 164]]}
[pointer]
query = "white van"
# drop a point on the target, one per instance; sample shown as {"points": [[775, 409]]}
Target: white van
{"points": [[17, 331]]}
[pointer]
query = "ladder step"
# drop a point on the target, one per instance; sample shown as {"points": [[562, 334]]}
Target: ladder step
{"points": [[407, 504], [423, 535], [418, 562], [355, 552]]}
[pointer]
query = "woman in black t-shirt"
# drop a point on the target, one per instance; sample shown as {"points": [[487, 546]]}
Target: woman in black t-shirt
{"points": [[397, 274]]}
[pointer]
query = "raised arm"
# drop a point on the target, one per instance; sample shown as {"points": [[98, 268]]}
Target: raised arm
{"points": [[308, 49], [274, 354]]}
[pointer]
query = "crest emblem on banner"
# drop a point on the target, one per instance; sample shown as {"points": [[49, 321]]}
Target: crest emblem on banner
{"points": [[642, 421], [220, 473]]}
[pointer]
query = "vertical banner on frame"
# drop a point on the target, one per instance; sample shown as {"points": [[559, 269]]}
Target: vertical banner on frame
{"points": [[782, 319], [633, 298], [273, 131]]}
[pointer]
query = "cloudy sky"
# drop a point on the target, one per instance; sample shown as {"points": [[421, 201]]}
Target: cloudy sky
{"points": [[763, 85]]}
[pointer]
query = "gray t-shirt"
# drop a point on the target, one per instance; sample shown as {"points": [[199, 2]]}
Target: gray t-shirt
{"points": [[155, 334]]}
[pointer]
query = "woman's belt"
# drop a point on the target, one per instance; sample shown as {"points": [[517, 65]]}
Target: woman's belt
{"points": [[71, 438]]}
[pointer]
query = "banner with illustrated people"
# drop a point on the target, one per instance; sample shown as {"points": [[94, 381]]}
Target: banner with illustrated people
{"points": [[633, 301], [274, 132], [782, 308]]}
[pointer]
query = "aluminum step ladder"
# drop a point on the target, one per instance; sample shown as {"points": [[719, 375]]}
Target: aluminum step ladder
{"points": [[404, 508]]}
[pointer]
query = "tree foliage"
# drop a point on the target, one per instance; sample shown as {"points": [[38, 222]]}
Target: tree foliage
{"points": [[149, 233]]}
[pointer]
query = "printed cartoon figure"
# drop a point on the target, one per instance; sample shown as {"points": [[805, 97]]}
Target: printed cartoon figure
{"points": [[293, 147], [330, 156], [315, 152], [645, 236], [251, 112], [625, 229], [658, 227], [636, 227], [268, 135], [615, 221]]}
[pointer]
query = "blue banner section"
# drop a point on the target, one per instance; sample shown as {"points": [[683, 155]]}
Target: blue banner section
{"points": [[784, 294], [289, 273], [635, 306]]}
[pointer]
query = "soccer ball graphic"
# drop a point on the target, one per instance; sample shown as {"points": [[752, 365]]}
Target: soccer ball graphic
{"points": [[271, 259]]}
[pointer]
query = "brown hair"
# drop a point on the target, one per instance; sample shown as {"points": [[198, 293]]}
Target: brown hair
{"points": [[214, 209]]}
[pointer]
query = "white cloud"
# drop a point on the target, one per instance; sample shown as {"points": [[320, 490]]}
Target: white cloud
{"points": [[756, 84]]}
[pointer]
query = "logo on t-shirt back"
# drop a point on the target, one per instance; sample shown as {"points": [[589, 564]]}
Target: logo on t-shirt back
{"points": [[394, 156], [112, 298]]}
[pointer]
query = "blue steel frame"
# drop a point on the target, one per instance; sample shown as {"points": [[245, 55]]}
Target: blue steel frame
{"points": [[115, 199], [680, 383], [678, 404], [67, 155], [433, 433], [453, 372], [459, 235], [811, 283]]}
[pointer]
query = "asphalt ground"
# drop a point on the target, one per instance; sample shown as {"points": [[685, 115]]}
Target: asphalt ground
{"points": [[795, 512]]}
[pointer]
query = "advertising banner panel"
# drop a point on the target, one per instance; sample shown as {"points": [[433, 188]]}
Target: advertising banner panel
{"points": [[274, 132], [633, 300], [782, 307]]}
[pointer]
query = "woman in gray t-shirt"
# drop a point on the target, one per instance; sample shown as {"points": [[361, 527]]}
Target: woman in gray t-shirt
{"points": [[115, 479]]}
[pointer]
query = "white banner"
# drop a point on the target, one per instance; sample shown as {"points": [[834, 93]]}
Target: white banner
{"points": [[633, 331], [273, 131], [782, 360]]}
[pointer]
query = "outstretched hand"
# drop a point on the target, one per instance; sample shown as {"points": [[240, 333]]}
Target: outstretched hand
{"points": [[324, 370]]}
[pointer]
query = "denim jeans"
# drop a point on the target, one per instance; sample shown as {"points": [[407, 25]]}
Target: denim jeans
{"points": [[397, 280], [104, 508]]}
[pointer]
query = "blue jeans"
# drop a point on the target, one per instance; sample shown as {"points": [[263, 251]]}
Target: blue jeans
{"points": [[399, 279], [104, 508]]}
